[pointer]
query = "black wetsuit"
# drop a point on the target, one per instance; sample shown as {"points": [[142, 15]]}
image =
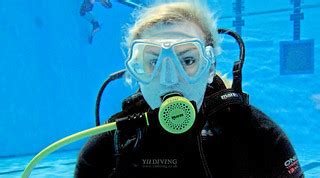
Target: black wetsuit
{"points": [[235, 142]]}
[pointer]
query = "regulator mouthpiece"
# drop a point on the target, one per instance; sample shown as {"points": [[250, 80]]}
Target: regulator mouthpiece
{"points": [[176, 114]]}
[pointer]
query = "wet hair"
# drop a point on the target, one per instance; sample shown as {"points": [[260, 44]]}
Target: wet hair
{"points": [[174, 12]]}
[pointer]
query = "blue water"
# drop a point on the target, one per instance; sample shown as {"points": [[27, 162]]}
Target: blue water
{"points": [[50, 75]]}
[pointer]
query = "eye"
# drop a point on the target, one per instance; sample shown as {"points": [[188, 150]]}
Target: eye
{"points": [[188, 61], [153, 62]]}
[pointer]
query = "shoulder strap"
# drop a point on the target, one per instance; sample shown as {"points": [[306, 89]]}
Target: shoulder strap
{"points": [[131, 105], [219, 97], [135, 103], [128, 141]]}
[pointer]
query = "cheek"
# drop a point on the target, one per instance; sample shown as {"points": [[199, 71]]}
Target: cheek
{"points": [[190, 70], [152, 88], [148, 68]]}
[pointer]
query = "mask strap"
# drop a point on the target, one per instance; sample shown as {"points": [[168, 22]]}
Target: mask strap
{"points": [[210, 55]]}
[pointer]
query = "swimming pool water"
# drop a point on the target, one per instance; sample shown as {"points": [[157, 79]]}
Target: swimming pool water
{"points": [[59, 164], [45, 100]]}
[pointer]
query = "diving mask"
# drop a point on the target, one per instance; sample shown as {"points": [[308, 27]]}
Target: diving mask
{"points": [[189, 57]]}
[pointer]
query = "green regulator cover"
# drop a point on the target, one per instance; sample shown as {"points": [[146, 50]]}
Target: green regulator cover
{"points": [[177, 115]]}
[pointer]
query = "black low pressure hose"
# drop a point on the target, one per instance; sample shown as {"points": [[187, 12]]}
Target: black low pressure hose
{"points": [[239, 41], [237, 66], [111, 77]]}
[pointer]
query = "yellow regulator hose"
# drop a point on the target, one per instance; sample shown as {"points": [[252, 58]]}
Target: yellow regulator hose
{"points": [[67, 140]]}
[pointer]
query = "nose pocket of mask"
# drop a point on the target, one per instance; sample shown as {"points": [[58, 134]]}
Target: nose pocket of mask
{"points": [[168, 73]]}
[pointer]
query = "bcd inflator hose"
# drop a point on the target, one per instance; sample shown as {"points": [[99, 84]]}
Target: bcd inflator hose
{"points": [[176, 115]]}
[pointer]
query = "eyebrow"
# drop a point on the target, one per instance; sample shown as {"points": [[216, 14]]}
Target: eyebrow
{"points": [[186, 50], [152, 53]]}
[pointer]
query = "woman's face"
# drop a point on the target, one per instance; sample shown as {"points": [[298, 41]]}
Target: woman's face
{"points": [[169, 79]]}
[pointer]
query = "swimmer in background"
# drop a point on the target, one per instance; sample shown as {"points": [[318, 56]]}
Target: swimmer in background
{"points": [[85, 11]]}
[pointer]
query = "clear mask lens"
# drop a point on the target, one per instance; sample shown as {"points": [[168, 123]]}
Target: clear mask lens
{"points": [[146, 59]]}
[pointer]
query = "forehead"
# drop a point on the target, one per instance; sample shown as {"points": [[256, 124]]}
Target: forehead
{"points": [[178, 30]]}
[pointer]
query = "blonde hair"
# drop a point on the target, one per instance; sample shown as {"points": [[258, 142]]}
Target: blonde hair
{"points": [[173, 12]]}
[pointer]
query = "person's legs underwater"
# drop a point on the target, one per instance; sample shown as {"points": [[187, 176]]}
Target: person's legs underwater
{"points": [[85, 11], [106, 3]]}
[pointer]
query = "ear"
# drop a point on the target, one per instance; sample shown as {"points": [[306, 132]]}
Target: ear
{"points": [[210, 55]]}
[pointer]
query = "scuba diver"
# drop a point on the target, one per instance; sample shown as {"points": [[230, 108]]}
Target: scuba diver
{"points": [[85, 11], [172, 49]]}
